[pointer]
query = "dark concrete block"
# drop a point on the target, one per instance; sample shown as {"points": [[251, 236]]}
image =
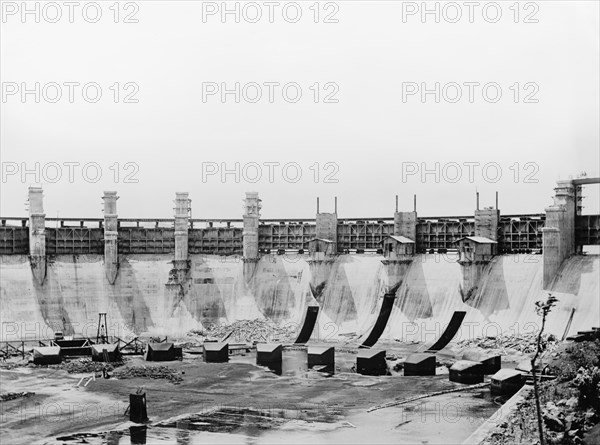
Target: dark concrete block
{"points": [[47, 355], [507, 382], [419, 364], [371, 362], [160, 352], [112, 352], [466, 371], [589, 335], [492, 364], [577, 338], [137, 408], [267, 353], [216, 352], [178, 352], [321, 355]]}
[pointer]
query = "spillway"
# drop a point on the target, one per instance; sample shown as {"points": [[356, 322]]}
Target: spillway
{"points": [[217, 292]]}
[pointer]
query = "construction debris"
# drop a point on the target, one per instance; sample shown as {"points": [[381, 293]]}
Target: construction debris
{"points": [[83, 366], [15, 395], [153, 372], [249, 331], [508, 344]]}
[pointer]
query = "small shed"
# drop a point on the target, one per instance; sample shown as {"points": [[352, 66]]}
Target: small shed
{"points": [[319, 248], [112, 353], [396, 247], [476, 248], [47, 355], [160, 352]]}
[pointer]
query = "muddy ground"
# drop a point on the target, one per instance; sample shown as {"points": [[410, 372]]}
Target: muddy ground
{"points": [[258, 405]]}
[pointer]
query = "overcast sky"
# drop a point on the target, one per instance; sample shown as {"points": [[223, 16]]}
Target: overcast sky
{"points": [[366, 147]]}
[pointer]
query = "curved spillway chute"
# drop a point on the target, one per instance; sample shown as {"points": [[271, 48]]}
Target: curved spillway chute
{"points": [[309, 324], [449, 332], [381, 323]]}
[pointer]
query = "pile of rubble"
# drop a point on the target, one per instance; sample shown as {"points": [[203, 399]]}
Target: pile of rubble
{"points": [[81, 366], [248, 331], [85, 365], [152, 372], [15, 395], [505, 344]]}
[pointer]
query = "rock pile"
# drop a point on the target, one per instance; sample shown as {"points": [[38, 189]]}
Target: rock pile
{"points": [[505, 344], [85, 365], [14, 395], [152, 372]]}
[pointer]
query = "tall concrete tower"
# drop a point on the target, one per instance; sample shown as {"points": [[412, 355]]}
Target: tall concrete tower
{"points": [[558, 234], [182, 217], [37, 234], [322, 250], [181, 264], [252, 207], [396, 266], [111, 255]]}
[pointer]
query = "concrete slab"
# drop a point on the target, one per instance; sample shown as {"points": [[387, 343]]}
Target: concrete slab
{"points": [[507, 381], [216, 352], [419, 364], [466, 371], [321, 355], [371, 362], [267, 353]]}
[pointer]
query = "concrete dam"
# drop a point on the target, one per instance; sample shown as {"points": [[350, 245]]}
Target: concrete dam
{"points": [[63, 277]]}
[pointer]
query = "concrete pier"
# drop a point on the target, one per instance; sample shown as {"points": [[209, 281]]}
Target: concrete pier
{"points": [[181, 264], [251, 256], [486, 223], [405, 224], [322, 250], [111, 255], [37, 234], [477, 251], [558, 233]]}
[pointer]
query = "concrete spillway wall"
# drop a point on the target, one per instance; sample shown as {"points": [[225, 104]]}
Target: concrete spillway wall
{"points": [[76, 290]]}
